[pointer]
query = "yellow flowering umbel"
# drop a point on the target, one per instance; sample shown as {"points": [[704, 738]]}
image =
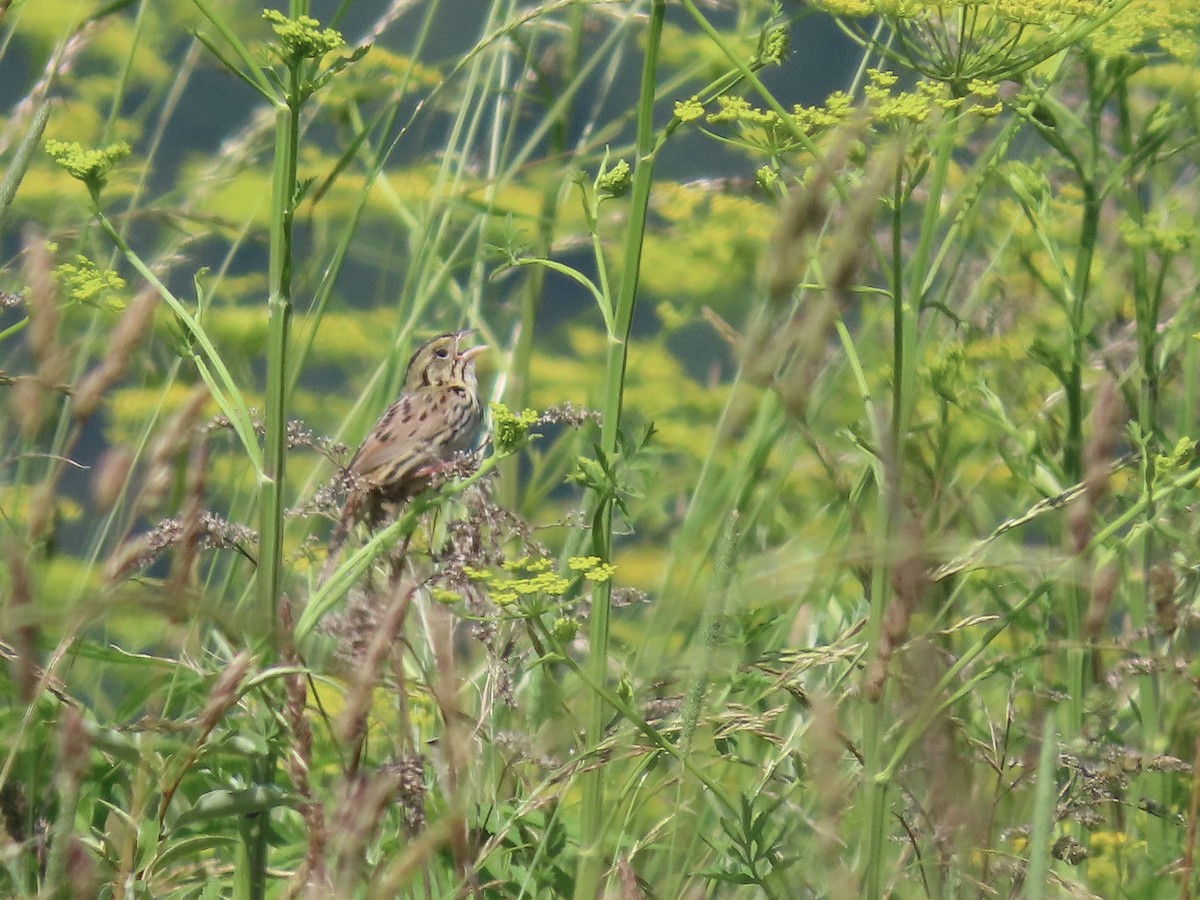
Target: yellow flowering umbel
{"points": [[86, 283], [764, 130], [89, 166], [303, 37], [510, 430], [533, 578], [593, 569], [955, 43]]}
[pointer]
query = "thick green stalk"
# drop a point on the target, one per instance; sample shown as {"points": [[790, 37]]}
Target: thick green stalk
{"points": [[587, 882], [279, 317], [279, 311]]}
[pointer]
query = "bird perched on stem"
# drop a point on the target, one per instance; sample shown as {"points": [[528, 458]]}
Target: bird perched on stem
{"points": [[436, 415]]}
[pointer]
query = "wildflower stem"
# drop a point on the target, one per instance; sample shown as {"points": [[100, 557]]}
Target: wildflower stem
{"points": [[1091, 198], [212, 368], [279, 312], [279, 316], [1147, 299], [591, 860]]}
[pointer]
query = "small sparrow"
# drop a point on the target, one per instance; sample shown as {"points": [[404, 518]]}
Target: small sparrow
{"points": [[436, 415]]}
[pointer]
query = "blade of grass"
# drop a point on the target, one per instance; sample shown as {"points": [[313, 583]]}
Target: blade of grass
{"points": [[1040, 843]]}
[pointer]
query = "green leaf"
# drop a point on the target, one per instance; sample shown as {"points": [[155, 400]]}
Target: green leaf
{"points": [[223, 804], [231, 66], [250, 68], [190, 851]]}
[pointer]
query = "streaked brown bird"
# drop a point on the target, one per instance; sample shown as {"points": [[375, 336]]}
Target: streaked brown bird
{"points": [[436, 415]]}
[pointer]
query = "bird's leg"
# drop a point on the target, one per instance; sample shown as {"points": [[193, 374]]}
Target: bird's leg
{"points": [[398, 559]]}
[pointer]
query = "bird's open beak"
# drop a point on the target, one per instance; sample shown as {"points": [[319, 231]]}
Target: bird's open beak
{"points": [[470, 353]]}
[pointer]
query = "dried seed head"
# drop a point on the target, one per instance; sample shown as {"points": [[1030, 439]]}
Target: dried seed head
{"points": [[27, 397], [1163, 583], [224, 693], [848, 248], [1104, 588], [192, 516], [353, 719], [41, 337], [910, 583], [110, 475], [1079, 523], [357, 820], [42, 509], [20, 613], [793, 244], [1108, 414], [73, 747], [409, 774], [216, 533], [123, 341], [788, 354], [41, 298], [167, 446]]}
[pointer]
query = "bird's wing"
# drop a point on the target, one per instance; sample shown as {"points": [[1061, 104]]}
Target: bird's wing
{"points": [[405, 438]]}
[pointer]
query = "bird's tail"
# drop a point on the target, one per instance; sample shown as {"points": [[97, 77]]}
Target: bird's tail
{"points": [[337, 540]]}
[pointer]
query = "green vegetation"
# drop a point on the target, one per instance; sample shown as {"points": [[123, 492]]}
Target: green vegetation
{"points": [[896, 599]]}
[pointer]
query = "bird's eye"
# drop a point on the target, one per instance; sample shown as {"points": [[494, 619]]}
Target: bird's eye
{"points": [[441, 352]]}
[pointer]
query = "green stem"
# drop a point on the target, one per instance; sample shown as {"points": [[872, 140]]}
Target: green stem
{"points": [[587, 883], [208, 362], [652, 734], [279, 315], [1077, 655], [1042, 832], [20, 161], [1147, 297]]}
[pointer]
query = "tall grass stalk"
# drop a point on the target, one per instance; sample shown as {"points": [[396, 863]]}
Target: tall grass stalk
{"points": [[591, 851], [1044, 814]]}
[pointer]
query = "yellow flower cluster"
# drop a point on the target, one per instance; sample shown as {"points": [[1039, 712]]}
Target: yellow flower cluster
{"points": [[509, 429], [883, 104], [84, 282], [532, 577], [303, 37], [1020, 12], [593, 569], [1165, 239], [89, 166]]}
